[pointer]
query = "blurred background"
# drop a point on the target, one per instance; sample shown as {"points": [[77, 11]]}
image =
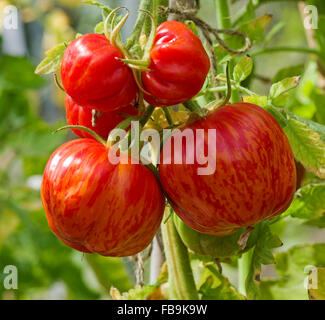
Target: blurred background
{"points": [[32, 107]]}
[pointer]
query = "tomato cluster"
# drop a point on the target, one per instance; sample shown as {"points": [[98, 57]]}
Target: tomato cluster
{"points": [[93, 205]]}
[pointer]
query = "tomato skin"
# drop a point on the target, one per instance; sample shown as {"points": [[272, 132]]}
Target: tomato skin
{"points": [[179, 65], [94, 77], [78, 115], [255, 176], [95, 206]]}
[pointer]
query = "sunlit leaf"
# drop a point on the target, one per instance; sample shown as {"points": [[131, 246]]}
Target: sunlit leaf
{"points": [[309, 202], [53, 59], [243, 69], [261, 254]]}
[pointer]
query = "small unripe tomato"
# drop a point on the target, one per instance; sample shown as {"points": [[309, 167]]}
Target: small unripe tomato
{"points": [[95, 206], [105, 121], [179, 65], [209, 245], [250, 176], [94, 77]]}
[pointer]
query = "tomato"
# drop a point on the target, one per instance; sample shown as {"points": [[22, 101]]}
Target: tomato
{"points": [[209, 245], [179, 65], [106, 121], [254, 177], [95, 206], [94, 77]]}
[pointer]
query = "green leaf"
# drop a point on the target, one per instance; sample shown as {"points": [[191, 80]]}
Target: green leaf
{"points": [[283, 87], [212, 284], [246, 15], [307, 140], [105, 9], [318, 222], [255, 29], [318, 293], [243, 69], [258, 100], [192, 26], [293, 267], [261, 254], [99, 27], [288, 72], [318, 98], [52, 62], [308, 203], [109, 272], [224, 291], [137, 293]]}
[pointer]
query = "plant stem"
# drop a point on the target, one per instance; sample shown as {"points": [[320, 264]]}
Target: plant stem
{"points": [[235, 85], [135, 36], [181, 279], [86, 129], [244, 263], [193, 106], [147, 114], [162, 17], [286, 49], [168, 116], [155, 9], [157, 260], [223, 14]]}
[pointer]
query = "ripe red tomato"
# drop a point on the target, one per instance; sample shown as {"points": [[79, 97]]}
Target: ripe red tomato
{"points": [[179, 65], [78, 115], [94, 77], [254, 177], [95, 206]]}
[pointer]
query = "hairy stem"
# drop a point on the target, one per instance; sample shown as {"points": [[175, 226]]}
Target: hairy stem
{"points": [[137, 30], [180, 275], [286, 49], [223, 14], [243, 268]]}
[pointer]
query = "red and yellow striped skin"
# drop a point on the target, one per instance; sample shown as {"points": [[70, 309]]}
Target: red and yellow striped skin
{"points": [[95, 206], [105, 122], [255, 176]]}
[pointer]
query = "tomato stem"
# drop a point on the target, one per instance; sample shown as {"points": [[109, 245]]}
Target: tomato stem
{"points": [[133, 41], [168, 116], [144, 63], [223, 14], [180, 274], [228, 96], [244, 263], [91, 132], [286, 49], [147, 114], [122, 125]]}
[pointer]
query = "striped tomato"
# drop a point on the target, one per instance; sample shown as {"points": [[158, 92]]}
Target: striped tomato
{"points": [[95, 206], [254, 177], [105, 122]]}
